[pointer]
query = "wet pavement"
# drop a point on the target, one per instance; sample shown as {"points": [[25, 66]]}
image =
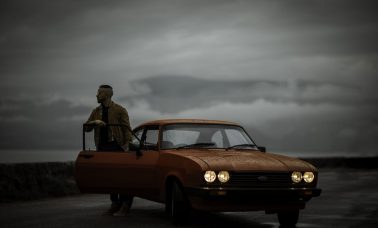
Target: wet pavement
{"points": [[349, 199]]}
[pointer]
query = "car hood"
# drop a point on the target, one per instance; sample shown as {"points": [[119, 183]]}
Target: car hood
{"points": [[233, 160]]}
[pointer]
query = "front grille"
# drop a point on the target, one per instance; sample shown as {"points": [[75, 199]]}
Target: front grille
{"points": [[260, 179]]}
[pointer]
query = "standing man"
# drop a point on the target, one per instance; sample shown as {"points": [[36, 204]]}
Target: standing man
{"points": [[111, 138]]}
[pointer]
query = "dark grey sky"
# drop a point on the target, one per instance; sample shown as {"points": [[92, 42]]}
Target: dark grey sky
{"points": [[299, 75]]}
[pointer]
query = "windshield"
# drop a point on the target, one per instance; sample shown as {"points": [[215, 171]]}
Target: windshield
{"points": [[179, 136]]}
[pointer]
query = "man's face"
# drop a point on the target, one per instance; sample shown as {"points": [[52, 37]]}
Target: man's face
{"points": [[102, 95]]}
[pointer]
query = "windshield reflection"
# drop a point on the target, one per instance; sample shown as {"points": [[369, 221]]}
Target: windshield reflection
{"points": [[214, 136]]}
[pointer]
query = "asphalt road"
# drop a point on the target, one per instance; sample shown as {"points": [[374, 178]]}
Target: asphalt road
{"points": [[349, 199]]}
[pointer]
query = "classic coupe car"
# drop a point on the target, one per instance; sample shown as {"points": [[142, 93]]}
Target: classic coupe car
{"points": [[202, 165]]}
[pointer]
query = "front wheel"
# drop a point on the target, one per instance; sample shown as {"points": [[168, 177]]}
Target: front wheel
{"points": [[288, 218], [178, 207]]}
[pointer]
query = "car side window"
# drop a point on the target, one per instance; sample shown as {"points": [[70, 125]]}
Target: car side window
{"points": [[139, 135], [151, 137]]}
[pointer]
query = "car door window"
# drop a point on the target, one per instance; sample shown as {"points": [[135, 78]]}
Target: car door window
{"points": [[151, 138], [138, 134]]}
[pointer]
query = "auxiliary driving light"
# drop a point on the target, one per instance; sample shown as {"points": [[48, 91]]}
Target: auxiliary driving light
{"points": [[210, 176], [308, 177], [296, 177], [223, 176]]}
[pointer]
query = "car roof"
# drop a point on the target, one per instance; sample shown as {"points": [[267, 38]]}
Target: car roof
{"points": [[187, 121]]}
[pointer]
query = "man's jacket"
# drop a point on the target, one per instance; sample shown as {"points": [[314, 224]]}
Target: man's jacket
{"points": [[116, 115]]}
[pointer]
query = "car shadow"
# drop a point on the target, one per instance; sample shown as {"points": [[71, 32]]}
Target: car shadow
{"points": [[208, 219], [155, 216]]}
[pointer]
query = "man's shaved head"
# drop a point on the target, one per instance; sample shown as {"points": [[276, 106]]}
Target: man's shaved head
{"points": [[107, 89], [104, 93]]}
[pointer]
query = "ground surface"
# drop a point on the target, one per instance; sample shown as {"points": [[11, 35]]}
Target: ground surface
{"points": [[349, 199]]}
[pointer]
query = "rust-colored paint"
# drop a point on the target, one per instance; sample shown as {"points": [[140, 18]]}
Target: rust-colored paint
{"points": [[146, 176]]}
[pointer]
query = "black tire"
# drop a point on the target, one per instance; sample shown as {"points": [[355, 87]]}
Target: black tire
{"points": [[288, 218], [177, 205]]}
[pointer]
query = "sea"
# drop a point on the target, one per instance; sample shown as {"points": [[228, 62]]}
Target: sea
{"points": [[64, 155], [40, 155]]}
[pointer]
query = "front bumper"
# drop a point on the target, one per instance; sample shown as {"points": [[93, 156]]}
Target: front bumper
{"points": [[253, 192], [246, 199]]}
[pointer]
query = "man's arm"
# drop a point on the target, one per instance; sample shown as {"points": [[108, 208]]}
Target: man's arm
{"points": [[93, 121], [124, 119]]}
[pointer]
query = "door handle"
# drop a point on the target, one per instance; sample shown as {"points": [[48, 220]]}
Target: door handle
{"points": [[86, 155]]}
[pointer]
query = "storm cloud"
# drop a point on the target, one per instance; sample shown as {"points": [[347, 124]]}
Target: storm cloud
{"points": [[27, 124], [300, 75], [325, 118], [172, 94], [295, 118]]}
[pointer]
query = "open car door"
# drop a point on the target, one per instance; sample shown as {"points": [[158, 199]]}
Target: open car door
{"points": [[126, 172]]}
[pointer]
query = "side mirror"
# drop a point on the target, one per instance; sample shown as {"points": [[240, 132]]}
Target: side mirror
{"points": [[262, 148], [136, 147]]}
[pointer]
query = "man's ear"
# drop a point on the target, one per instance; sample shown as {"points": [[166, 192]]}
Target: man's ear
{"points": [[109, 94]]}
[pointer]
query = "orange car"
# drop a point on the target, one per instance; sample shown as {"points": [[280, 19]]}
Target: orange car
{"points": [[203, 165]]}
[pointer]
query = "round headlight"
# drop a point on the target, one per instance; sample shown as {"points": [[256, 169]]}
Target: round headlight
{"points": [[308, 177], [296, 177], [210, 176], [223, 176]]}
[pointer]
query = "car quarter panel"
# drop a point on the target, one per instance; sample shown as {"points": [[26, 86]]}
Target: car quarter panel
{"points": [[187, 170]]}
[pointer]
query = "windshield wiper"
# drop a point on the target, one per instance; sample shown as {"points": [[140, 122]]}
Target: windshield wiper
{"points": [[196, 145], [241, 145]]}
